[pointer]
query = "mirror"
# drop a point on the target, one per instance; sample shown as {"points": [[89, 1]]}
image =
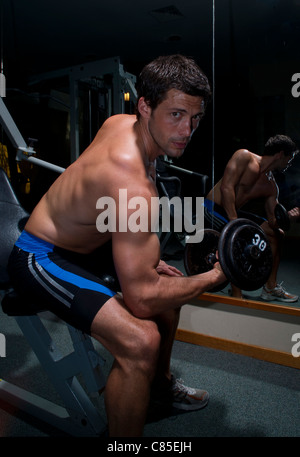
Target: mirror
{"points": [[255, 70], [257, 97]]}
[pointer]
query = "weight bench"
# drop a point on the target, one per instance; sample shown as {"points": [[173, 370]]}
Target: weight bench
{"points": [[79, 416]]}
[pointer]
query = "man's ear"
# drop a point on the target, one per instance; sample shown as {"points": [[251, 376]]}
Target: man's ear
{"points": [[144, 108]]}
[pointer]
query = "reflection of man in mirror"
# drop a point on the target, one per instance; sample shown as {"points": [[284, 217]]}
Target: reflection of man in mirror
{"points": [[247, 177]]}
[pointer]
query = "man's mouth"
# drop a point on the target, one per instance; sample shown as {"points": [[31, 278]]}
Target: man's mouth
{"points": [[180, 144]]}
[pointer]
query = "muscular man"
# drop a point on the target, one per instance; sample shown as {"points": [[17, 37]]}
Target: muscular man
{"points": [[249, 176], [52, 260]]}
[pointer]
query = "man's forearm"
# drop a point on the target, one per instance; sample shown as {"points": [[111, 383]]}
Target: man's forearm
{"points": [[167, 292]]}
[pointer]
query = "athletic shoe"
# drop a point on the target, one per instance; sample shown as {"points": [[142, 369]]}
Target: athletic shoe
{"points": [[278, 293], [187, 398], [175, 394]]}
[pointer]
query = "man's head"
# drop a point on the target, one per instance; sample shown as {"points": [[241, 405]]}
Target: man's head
{"points": [[284, 147], [171, 72], [280, 143]]}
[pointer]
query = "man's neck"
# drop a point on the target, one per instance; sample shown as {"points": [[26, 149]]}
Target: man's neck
{"points": [[150, 149], [266, 164]]}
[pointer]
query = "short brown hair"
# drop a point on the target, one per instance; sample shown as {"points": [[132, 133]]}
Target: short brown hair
{"points": [[172, 72], [279, 143]]}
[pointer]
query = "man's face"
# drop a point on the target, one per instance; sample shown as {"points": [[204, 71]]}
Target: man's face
{"points": [[288, 160], [172, 123]]}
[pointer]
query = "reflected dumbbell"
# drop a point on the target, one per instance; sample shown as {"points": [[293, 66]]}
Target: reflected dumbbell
{"points": [[243, 251]]}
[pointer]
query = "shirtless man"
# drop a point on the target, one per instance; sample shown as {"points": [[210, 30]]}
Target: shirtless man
{"points": [[137, 327], [249, 176]]}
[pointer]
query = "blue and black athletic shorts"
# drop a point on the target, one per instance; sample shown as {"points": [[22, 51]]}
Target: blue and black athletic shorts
{"points": [[216, 218], [66, 283]]}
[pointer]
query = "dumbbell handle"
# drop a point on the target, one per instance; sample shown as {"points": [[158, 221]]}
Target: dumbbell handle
{"points": [[211, 258]]}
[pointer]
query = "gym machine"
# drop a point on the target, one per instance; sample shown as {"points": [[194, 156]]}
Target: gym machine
{"points": [[105, 84], [79, 416]]}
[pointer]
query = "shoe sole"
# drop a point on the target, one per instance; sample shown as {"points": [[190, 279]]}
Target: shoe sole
{"points": [[285, 300], [191, 407]]}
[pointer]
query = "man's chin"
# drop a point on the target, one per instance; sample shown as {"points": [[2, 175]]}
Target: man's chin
{"points": [[176, 153]]}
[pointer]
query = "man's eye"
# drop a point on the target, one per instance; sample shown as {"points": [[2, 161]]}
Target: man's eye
{"points": [[198, 117], [176, 114]]}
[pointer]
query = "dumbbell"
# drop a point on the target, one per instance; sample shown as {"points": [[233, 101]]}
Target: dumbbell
{"points": [[244, 254], [282, 217]]}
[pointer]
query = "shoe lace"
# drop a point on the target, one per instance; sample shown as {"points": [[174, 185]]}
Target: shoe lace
{"points": [[178, 387], [280, 288]]}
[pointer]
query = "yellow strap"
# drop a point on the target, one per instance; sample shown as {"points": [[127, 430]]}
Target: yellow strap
{"points": [[4, 159]]}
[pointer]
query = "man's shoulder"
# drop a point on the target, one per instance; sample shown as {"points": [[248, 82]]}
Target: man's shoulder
{"points": [[241, 156], [246, 156], [243, 152]]}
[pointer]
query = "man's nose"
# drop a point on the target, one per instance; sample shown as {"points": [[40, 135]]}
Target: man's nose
{"points": [[186, 128]]}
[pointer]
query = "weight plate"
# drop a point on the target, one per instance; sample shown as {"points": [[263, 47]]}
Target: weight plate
{"points": [[245, 254], [200, 257]]}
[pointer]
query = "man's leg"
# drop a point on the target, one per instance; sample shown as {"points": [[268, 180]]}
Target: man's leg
{"points": [[167, 391], [236, 292], [134, 343], [272, 290], [274, 240], [167, 326]]}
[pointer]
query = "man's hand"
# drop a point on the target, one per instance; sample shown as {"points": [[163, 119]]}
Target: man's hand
{"points": [[294, 214], [168, 270]]}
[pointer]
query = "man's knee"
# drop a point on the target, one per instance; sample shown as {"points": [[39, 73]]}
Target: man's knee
{"points": [[141, 349], [147, 344], [133, 342]]}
